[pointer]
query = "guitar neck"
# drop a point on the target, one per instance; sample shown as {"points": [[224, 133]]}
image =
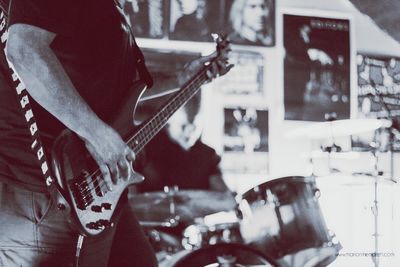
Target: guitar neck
{"points": [[153, 125]]}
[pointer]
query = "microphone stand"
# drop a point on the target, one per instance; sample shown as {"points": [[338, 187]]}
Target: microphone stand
{"points": [[394, 125]]}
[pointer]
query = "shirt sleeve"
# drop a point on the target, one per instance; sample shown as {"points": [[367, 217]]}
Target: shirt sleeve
{"points": [[57, 16]]}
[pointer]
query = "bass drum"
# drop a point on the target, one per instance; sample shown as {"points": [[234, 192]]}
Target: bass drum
{"points": [[232, 255], [282, 217]]}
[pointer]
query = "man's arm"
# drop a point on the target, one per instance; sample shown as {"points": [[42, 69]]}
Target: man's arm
{"points": [[28, 49]]}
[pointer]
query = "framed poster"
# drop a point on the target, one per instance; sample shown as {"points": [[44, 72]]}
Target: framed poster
{"points": [[244, 82], [195, 20], [148, 19], [317, 66], [245, 130], [379, 98], [250, 22], [245, 140]]}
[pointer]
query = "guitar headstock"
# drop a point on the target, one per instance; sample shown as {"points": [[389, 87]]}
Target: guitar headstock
{"points": [[222, 42], [223, 49], [220, 39]]}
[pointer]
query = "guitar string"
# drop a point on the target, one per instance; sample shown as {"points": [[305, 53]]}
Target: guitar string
{"points": [[180, 94], [194, 84], [101, 182]]}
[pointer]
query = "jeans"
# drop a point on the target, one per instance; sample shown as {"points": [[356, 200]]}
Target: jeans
{"points": [[33, 232]]}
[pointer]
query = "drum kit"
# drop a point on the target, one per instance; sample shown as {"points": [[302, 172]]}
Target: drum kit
{"points": [[276, 223]]}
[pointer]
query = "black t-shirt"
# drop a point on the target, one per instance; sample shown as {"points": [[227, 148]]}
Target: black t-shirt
{"points": [[94, 45], [166, 163]]}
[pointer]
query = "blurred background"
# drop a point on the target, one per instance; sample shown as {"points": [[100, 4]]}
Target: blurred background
{"points": [[315, 92]]}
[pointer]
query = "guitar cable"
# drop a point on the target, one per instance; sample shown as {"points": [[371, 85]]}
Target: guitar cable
{"points": [[78, 249]]}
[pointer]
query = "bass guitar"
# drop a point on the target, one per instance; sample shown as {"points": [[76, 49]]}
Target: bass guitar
{"points": [[82, 190]]}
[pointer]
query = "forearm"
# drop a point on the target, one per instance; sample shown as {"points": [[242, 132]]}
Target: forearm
{"points": [[48, 83]]}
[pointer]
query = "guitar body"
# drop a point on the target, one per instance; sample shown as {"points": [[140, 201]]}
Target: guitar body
{"points": [[90, 203]]}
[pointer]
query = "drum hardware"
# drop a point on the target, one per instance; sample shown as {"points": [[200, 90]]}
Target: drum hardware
{"points": [[221, 227], [220, 255], [332, 148], [162, 241], [375, 207], [171, 208], [394, 125]]}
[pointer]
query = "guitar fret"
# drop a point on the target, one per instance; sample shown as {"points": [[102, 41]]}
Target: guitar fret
{"points": [[151, 127]]}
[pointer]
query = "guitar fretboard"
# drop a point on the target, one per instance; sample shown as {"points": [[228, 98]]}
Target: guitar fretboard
{"points": [[153, 125]]}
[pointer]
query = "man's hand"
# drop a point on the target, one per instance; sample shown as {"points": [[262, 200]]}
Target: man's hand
{"points": [[218, 66], [112, 155]]}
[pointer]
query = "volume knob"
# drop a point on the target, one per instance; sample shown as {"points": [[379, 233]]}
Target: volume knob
{"points": [[105, 223], [97, 208], [106, 206]]}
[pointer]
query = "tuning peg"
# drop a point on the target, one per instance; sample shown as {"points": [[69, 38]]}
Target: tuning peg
{"points": [[216, 37]]}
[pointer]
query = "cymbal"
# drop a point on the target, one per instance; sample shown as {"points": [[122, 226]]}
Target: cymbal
{"points": [[318, 154], [338, 128], [354, 179], [187, 204]]}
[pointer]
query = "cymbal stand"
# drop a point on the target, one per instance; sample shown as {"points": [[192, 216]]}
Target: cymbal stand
{"points": [[330, 117], [391, 149], [374, 208], [171, 193], [395, 125]]}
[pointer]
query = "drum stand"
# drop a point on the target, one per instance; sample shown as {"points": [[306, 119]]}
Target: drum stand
{"points": [[395, 124], [374, 208]]}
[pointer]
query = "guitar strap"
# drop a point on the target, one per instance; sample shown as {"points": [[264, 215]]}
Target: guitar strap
{"points": [[24, 101]]}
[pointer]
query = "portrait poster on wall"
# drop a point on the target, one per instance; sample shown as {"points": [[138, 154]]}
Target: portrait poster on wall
{"points": [[250, 22], [244, 82], [317, 67], [245, 140], [148, 18], [195, 20], [378, 98]]}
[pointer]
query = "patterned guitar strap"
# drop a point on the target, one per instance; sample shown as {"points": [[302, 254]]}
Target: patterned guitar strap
{"points": [[36, 144]]}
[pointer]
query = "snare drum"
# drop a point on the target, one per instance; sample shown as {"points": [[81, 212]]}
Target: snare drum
{"points": [[234, 255], [283, 216], [221, 227]]}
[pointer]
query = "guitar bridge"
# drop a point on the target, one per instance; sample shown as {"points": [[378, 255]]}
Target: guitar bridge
{"points": [[97, 186], [81, 193]]}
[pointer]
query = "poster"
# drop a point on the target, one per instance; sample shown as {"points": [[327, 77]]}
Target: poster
{"points": [[147, 18], [246, 79], [195, 20], [245, 130], [316, 67], [250, 22], [245, 140], [378, 98]]}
